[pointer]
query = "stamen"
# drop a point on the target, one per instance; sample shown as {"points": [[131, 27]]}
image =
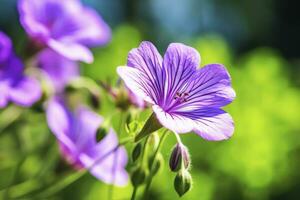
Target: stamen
{"points": [[181, 96]]}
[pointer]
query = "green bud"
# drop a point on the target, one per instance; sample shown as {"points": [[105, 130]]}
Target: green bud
{"points": [[182, 182], [132, 127], [153, 141], [179, 154], [138, 176], [136, 152], [157, 164]]}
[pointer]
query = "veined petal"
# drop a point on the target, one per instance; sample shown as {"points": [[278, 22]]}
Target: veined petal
{"points": [[179, 65], [138, 83], [174, 122], [72, 51], [210, 87], [211, 124], [147, 59]]}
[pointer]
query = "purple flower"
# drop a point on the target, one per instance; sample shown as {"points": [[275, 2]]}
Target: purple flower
{"points": [[57, 69], [14, 85], [76, 132], [136, 100], [183, 97], [66, 26]]}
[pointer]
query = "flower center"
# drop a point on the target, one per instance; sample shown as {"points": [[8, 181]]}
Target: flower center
{"points": [[181, 96]]}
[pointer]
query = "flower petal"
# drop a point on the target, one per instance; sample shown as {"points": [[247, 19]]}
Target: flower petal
{"points": [[173, 122], [138, 83], [107, 161], [87, 123], [57, 69], [60, 120], [26, 92], [72, 51], [210, 87], [147, 59], [91, 30], [211, 124], [5, 47], [179, 65]]}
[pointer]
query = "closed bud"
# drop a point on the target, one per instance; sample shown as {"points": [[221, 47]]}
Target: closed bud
{"points": [[182, 182], [179, 158], [136, 152], [158, 163], [138, 176], [153, 141]]}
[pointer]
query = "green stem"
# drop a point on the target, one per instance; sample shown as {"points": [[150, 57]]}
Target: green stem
{"points": [[149, 180], [133, 196]]}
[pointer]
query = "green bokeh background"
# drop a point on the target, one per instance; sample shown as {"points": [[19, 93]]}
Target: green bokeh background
{"points": [[260, 162]]}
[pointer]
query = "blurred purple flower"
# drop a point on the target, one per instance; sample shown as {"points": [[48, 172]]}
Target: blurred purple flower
{"points": [[14, 85], [66, 26], [184, 98], [57, 69], [76, 132], [136, 100]]}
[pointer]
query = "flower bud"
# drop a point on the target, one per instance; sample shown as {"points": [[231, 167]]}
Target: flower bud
{"points": [[136, 152], [138, 177], [182, 182], [153, 141], [179, 154], [157, 164]]}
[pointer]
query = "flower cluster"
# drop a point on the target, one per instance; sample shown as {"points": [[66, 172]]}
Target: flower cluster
{"points": [[60, 34]]}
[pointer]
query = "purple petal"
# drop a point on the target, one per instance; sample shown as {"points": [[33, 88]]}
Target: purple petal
{"points": [[59, 120], [5, 47], [91, 29], [57, 69], [26, 92], [179, 65], [210, 87], [66, 26], [147, 59], [174, 122], [107, 160], [85, 128], [137, 82], [72, 51], [210, 124], [32, 15]]}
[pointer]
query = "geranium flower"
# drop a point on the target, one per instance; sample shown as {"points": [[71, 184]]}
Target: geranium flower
{"points": [[57, 70], [183, 97], [14, 85], [66, 26], [76, 132]]}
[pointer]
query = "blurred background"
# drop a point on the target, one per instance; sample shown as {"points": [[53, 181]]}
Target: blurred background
{"points": [[257, 40]]}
